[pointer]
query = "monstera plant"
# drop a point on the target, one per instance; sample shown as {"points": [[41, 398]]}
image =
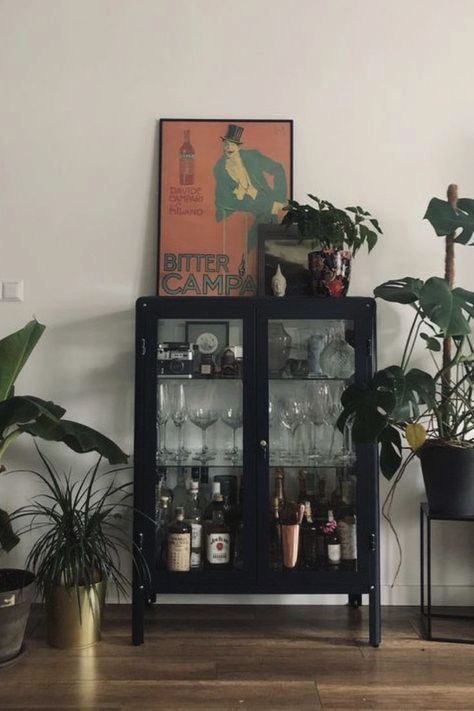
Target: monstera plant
{"points": [[412, 412], [27, 414]]}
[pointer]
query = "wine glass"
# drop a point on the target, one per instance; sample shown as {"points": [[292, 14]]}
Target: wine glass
{"points": [[179, 415], [332, 414], [162, 417], [317, 406], [293, 414], [204, 414], [233, 418]]}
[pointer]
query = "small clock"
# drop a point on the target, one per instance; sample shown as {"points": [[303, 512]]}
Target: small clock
{"points": [[207, 343]]}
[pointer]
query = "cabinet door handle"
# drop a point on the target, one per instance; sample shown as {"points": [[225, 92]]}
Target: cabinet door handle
{"points": [[264, 445]]}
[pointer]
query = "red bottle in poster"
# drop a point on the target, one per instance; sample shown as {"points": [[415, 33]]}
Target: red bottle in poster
{"points": [[186, 161]]}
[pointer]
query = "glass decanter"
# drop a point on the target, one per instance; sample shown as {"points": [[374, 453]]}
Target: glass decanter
{"points": [[337, 358]]}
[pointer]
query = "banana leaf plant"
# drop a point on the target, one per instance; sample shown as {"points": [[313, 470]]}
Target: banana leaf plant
{"points": [[27, 414], [406, 403]]}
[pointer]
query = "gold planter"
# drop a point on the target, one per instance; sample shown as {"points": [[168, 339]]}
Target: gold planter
{"points": [[72, 622]]}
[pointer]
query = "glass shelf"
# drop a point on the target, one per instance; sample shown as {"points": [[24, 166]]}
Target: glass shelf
{"points": [[200, 378], [218, 461], [306, 378]]}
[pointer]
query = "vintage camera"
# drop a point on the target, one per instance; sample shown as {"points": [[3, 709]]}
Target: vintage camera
{"points": [[175, 359], [231, 362]]}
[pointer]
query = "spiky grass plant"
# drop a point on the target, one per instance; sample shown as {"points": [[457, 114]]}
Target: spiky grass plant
{"points": [[83, 529]]}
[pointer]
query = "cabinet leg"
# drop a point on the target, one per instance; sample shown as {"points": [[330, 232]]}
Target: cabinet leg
{"points": [[374, 616], [354, 600], [138, 614]]}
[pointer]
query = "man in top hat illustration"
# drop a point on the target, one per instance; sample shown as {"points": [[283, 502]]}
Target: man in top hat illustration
{"points": [[241, 185]]}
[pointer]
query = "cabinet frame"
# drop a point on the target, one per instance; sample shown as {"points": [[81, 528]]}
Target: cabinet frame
{"points": [[256, 577]]}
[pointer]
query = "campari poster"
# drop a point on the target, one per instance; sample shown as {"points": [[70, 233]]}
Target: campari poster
{"points": [[219, 179]]}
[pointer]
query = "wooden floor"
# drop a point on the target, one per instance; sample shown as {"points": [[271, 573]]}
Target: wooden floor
{"points": [[258, 658]]}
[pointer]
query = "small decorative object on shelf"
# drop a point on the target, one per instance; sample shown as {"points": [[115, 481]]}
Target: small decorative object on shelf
{"points": [[278, 283], [316, 343], [279, 344], [175, 359], [337, 358]]}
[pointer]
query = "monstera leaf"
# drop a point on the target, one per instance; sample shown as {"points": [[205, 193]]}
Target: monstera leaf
{"points": [[390, 451], [370, 407], [401, 291], [445, 306], [446, 219]]}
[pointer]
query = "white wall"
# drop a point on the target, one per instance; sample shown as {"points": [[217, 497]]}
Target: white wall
{"points": [[381, 96]]}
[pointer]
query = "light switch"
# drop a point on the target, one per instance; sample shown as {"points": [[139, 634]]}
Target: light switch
{"points": [[12, 290]]}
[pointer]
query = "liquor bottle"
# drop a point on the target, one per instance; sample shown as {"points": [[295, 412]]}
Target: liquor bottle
{"points": [[180, 491], [275, 538], [238, 556], [347, 524], [193, 517], [178, 549], [302, 486], [337, 493], [162, 520], [333, 542], [280, 486], [308, 539], [217, 536], [204, 495], [216, 489], [162, 488], [187, 156], [319, 515]]}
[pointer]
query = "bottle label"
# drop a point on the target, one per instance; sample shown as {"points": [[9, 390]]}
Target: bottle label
{"points": [[334, 552], [348, 536], [179, 551], [196, 542], [218, 548]]}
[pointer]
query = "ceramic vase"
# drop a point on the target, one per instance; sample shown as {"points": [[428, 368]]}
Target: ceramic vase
{"points": [[278, 283]]}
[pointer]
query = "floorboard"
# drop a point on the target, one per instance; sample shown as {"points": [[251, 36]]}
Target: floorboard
{"points": [[253, 658]]}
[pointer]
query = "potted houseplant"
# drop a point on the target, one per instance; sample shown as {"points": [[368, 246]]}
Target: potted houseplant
{"points": [[20, 415], [427, 414], [78, 550], [335, 235]]}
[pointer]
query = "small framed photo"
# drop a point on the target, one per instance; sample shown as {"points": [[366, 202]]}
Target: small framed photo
{"points": [[211, 337], [281, 247]]}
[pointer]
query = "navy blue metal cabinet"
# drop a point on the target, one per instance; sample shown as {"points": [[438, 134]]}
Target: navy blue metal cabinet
{"points": [[275, 366]]}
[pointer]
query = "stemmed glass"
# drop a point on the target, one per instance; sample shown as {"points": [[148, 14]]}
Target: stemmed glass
{"points": [[334, 410], [317, 408], [293, 414], [203, 416], [232, 416], [179, 415], [162, 417]]}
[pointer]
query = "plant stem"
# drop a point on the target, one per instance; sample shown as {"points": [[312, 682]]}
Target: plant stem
{"points": [[7, 441]]}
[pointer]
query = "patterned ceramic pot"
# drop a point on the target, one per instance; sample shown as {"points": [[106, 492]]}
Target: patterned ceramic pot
{"points": [[330, 271]]}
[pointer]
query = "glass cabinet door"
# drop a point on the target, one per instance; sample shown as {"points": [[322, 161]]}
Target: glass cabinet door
{"points": [[312, 482], [199, 487]]}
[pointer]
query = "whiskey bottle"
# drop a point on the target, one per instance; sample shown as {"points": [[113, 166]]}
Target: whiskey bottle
{"points": [[217, 536], [180, 491], [187, 156], [193, 517], [308, 539], [178, 549], [161, 487], [275, 537], [333, 542], [216, 489], [280, 486], [204, 494]]}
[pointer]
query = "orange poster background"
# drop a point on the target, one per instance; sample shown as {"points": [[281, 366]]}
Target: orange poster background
{"points": [[188, 227]]}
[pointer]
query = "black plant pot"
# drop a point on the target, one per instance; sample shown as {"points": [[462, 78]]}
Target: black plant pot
{"points": [[17, 588], [330, 271], [448, 472]]}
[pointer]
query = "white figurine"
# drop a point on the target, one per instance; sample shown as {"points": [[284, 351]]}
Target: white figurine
{"points": [[278, 283]]}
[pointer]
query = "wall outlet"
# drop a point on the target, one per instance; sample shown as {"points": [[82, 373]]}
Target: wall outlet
{"points": [[12, 290]]}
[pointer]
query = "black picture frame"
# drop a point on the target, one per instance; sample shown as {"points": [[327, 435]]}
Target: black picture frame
{"points": [[220, 329], [290, 252]]}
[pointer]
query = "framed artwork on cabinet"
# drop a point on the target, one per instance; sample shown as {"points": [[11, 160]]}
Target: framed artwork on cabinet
{"points": [[218, 180], [281, 246]]}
